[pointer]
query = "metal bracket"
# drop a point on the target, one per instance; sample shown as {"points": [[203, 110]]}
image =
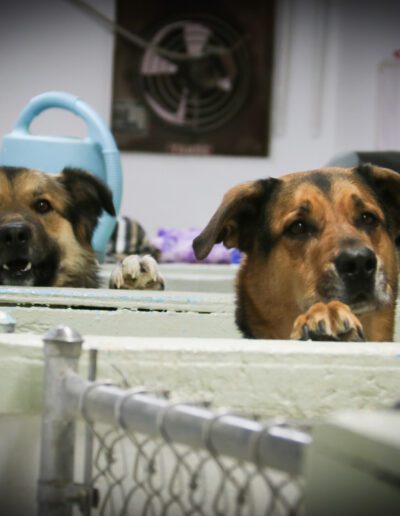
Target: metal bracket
{"points": [[78, 494], [82, 495]]}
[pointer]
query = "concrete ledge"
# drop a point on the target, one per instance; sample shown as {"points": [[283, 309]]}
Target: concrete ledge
{"points": [[122, 312], [95, 298], [180, 313], [269, 378]]}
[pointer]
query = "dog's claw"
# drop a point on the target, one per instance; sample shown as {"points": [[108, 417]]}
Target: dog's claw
{"points": [[332, 321], [346, 325], [305, 333], [321, 327], [361, 333]]}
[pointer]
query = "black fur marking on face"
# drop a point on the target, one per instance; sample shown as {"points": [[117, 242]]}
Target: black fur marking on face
{"points": [[384, 197], [358, 202], [304, 208], [12, 172], [365, 173], [321, 181]]}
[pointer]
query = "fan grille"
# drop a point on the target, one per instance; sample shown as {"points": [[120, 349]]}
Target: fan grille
{"points": [[205, 90]]}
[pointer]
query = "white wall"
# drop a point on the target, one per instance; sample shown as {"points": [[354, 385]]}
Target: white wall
{"points": [[327, 106]]}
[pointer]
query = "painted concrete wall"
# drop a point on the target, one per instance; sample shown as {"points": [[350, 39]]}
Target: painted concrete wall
{"points": [[272, 378], [327, 105]]}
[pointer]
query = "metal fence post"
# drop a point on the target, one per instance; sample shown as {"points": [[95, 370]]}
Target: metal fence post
{"points": [[62, 349]]}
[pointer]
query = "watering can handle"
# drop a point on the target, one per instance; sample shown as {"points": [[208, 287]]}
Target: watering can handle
{"points": [[72, 103], [98, 132]]}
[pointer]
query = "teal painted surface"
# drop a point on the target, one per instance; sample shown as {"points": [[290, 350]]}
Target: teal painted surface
{"points": [[97, 153]]}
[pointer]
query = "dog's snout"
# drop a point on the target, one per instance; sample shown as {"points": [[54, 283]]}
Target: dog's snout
{"points": [[15, 235], [356, 264]]}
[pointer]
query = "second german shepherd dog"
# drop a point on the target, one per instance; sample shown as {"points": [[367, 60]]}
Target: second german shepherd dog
{"points": [[46, 227]]}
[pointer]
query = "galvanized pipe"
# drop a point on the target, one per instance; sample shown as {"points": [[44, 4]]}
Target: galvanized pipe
{"points": [[268, 445], [88, 453], [62, 349]]}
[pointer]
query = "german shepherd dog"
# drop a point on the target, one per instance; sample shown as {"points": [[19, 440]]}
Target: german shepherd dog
{"points": [[319, 248], [46, 227]]}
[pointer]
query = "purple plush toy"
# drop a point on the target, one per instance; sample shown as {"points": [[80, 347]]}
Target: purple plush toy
{"points": [[176, 247]]}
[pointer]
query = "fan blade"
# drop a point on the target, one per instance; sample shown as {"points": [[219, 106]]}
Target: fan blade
{"points": [[153, 64], [177, 118], [224, 84], [196, 37]]}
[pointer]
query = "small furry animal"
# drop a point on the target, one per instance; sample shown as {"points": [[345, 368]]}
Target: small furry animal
{"points": [[46, 227], [320, 258]]}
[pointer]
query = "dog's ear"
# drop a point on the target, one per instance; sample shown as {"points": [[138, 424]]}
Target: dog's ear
{"points": [[234, 223], [88, 197], [386, 185]]}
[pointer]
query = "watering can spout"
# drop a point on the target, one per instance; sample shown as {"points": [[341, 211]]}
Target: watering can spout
{"points": [[97, 153]]}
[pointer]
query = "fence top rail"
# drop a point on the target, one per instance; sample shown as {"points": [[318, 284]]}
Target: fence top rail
{"points": [[266, 444], [367, 350], [128, 299]]}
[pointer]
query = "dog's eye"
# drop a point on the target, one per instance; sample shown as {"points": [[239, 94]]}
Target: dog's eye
{"points": [[42, 206], [369, 219], [298, 227]]}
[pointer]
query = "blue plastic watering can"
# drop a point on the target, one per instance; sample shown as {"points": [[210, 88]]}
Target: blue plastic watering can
{"points": [[97, 153]]}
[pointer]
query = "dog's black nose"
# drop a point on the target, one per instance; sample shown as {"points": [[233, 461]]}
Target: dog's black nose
{"points": [[356, 265], [15, 235]]}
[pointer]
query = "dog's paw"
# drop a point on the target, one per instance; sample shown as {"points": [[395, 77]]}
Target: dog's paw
{"points": [[137, 273], [331, 321]]}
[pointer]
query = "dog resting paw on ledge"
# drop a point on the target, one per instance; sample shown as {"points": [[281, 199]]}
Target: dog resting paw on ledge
{"points": [[320, 258], [46, 227]]}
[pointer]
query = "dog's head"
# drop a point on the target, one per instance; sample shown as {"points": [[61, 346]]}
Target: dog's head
{"points": [[46, 224], [314, 236]]}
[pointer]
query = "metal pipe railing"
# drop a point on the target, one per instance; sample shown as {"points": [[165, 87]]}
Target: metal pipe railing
{"points": [[265, 444], [68, 396], [62, 349]]}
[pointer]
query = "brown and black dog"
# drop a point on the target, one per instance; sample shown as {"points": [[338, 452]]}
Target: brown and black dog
{"points": [[320, 253], [46, 227]]}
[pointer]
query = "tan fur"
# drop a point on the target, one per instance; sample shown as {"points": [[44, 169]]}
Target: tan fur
{"points": [[279, 290], [65, 226]]}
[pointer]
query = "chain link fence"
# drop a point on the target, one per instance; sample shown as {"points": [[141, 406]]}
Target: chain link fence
{"points": [[138, 474], [147, 454]]}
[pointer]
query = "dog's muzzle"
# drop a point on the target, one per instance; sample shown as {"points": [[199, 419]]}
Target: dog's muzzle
{"points": [[356, 267], [15, 241]]}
